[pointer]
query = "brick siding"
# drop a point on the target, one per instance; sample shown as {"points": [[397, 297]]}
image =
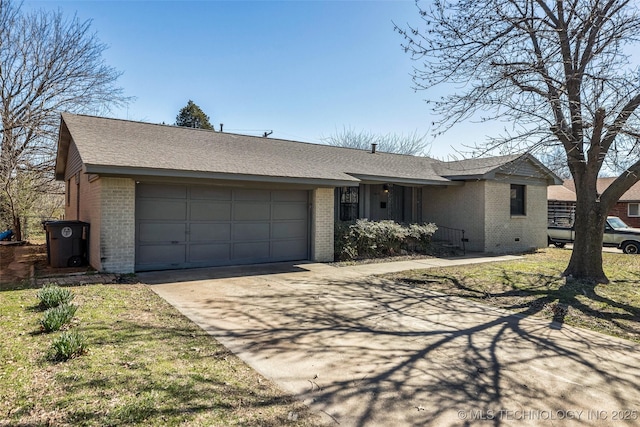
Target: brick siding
{"points": [[117, 228], [322, 225], [621, 210], [505, 233], [459, 207], [108, 205], [483, 210]]}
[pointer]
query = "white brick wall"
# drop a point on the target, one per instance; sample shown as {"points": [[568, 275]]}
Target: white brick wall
{"points": [[505, 233], [117, 227], [322, 226], [460, 206], [483, 210]]}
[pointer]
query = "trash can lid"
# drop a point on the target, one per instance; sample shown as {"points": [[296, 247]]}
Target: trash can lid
{"points": [[64, 222]]}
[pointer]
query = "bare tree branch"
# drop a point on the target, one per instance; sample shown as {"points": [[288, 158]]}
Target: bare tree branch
{"points": [[412, 143], [48, 64], [558, 71]]}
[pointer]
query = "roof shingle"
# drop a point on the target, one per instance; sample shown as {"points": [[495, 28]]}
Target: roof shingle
{"points": [[126, 146]]}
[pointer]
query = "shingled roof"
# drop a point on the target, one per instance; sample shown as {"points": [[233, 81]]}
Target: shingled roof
{"points": [[553, 193], [120, 147]]}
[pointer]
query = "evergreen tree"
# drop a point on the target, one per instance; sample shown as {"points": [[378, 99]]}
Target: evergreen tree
{"points": [[192, 116]]}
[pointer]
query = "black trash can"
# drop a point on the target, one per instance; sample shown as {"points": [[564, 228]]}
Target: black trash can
{"points": [[67, 243]]}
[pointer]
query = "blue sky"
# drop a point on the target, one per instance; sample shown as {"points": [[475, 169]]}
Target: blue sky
{"points": [[302, 69]]}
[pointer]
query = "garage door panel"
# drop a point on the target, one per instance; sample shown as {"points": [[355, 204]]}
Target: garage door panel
{"points": [[210, 232], [250, 251], [286, 249], [210, 193], [289, 211], [210, 211], [153, 232], [289, 196], [161, 191], [252, 195], [289, 230], [247, 211], [251, 231], [170, 255], [147, 209], [210, 253]]}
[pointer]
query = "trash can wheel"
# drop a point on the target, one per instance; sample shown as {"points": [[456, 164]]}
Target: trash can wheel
{"points": [[74, 261]]}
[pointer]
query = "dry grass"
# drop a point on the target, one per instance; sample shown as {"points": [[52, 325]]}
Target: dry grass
{"points": [[147, 365], [534, 286]]}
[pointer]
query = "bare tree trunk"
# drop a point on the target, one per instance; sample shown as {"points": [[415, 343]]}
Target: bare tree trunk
{"points": [[586, 257], [17, 228]]}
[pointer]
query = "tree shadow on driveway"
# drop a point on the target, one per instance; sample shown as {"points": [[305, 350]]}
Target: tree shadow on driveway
{"points": [[376, 352]]}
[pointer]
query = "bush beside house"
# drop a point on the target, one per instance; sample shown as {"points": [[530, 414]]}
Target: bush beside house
{"points": [[375, 239]]}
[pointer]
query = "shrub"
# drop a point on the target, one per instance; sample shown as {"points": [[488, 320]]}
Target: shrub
{"points": [[56, 317], [370, 239], [419, 236], [68, 345], [52, 296], [344, 248]]}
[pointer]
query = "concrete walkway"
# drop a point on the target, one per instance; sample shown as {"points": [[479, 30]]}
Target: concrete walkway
{"points": [[363, 351]]}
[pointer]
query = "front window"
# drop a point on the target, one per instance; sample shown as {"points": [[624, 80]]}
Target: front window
{"points": [[518, 199], [634, 209], [348, 203]]}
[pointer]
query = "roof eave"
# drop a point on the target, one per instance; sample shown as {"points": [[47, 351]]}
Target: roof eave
{"points": [[479, 177], [64, 140], [126, 171], [397, 180]]}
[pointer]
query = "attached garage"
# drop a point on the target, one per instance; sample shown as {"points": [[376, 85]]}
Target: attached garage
{"points": [[187, 226]]}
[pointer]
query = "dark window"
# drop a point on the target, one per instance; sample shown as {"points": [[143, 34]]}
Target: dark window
{"points": [[68, 191], [517, 200], [348, 203]]}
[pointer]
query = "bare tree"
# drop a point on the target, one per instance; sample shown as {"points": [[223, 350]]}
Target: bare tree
{"points": [[555, 69], [555, 158], [412, 143], [48, 64]]}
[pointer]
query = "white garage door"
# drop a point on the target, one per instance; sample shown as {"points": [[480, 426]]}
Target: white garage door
{"points": [[187, 226]]}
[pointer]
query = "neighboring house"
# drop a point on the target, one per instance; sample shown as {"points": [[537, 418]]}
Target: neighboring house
{"points": [[562, 201], [164, 197]]}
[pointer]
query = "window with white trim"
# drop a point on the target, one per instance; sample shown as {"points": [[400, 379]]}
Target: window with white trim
{"points": [[633, 209]]}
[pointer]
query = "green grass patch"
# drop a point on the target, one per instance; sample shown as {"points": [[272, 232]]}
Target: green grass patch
{"points": [[146, 365], [534, 286]]}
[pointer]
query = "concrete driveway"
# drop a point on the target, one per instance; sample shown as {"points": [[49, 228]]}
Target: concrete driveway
{"points": [[367, 352]]}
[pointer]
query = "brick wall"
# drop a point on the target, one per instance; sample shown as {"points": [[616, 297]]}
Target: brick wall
{"points": [[322, 225], [117, 226], [90, 212], [621, 210], [460, 206], [505, 233], [108, 205], [483, 210]]}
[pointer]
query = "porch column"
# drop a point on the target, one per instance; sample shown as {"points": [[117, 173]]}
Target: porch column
{"points": [[322, 214]]}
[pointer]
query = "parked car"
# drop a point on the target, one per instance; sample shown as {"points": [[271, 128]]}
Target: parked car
{"points": [[616, 234]]}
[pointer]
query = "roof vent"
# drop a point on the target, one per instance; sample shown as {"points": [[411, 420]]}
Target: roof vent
{"points": [[373, 148]]}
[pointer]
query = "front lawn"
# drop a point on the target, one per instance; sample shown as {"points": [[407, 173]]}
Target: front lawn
{"points": [[534, 286], [146, 365]]}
